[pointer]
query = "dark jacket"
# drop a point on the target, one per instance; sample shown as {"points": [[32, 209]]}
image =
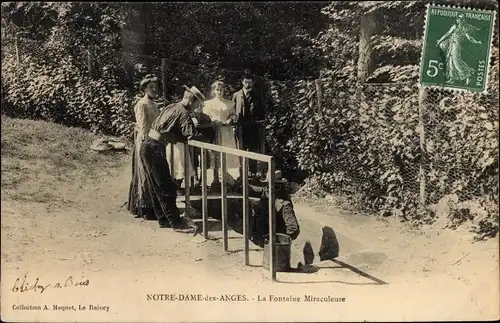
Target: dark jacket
{"points": [[286, 221], [174, 124], [244, 111], [208, 133], [249, 134]]}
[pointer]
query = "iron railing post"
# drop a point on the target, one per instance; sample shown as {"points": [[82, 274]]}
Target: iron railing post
{"points": [[204, 204], [246, 215], [223, 167], [245, 156], [272, 220], [187, 177]]}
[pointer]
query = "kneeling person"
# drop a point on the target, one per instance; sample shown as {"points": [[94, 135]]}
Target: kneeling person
{"points": [[286, 220]]}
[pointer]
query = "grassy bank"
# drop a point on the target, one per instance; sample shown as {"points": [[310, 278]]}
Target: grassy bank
{"points": [[38, 157]]}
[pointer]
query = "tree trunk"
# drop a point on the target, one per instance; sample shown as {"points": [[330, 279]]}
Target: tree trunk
{"points": [[366, 31], [422, 95]]}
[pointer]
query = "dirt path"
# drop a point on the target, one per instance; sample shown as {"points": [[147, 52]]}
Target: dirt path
{"points": [[385, 271]]}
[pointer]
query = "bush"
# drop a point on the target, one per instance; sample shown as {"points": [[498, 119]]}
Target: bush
{"points": [[50, 80]]}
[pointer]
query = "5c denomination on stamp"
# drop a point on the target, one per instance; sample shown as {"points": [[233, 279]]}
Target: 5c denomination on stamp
{"points": [[457, 48]]}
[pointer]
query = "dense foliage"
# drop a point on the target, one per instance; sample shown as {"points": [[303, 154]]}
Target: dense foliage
{"points": [[364, 138], [50, 80], [83, 61], [353, 136]]}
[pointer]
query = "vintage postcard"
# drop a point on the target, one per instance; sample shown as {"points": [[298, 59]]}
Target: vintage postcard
{"points": [[249, 162], [457, 48]]}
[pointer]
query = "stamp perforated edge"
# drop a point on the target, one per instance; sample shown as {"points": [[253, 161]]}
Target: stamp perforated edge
{"points": [[443, 87]]}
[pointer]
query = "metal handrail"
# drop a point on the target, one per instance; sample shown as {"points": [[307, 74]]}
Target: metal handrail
{"points": [[231, 151], [245, 155]]}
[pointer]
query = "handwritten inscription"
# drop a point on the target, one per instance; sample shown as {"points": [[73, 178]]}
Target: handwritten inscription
{"points": [[23, 285]]}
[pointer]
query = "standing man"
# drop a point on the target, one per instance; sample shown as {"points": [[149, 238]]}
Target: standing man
{"points": [[250, 114], [173, 125]]}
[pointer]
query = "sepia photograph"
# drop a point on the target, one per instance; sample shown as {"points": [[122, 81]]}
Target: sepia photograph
{"points": [[323, 161]]}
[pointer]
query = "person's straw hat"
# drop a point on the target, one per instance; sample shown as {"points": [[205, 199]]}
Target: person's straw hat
{"points": [[101, 145], [105, 145], [278, 177], [147, 79], [197, 93]]}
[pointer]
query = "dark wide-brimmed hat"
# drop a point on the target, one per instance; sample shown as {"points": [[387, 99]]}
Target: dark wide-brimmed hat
{"points": [[147, 79], [278, 178], [197, 93]]}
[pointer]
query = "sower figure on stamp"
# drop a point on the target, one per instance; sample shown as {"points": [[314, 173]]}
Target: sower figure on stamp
{"points": [[250, 115], [452, 47], [173, 125]]}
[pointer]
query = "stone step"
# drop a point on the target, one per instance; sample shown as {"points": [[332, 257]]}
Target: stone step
{"points": [[182, 198], [213, 201]]}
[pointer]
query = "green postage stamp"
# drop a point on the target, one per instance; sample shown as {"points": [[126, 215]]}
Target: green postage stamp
{"points": [[457, 48]]}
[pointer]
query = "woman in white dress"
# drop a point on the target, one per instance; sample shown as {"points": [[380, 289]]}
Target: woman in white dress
{"points": [[222, 112]]}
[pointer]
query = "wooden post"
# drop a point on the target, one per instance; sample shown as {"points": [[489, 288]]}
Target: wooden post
{"points": [[272, 221], [164, 77], [89, 63], [366, 31], [204, 204], [423, 156], [365, 63], [223, 188], [246, 215]]}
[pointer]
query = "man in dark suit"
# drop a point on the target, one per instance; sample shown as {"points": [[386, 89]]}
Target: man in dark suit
{"points": [[250, 112]]}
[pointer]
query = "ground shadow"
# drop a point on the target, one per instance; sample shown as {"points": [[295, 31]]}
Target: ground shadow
{"points": [[325, 282], [341, 265], [359, 272], [329, 250]]}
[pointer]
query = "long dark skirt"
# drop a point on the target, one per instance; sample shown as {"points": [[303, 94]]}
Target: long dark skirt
{"points": [[160, 188], [138, 204]]}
